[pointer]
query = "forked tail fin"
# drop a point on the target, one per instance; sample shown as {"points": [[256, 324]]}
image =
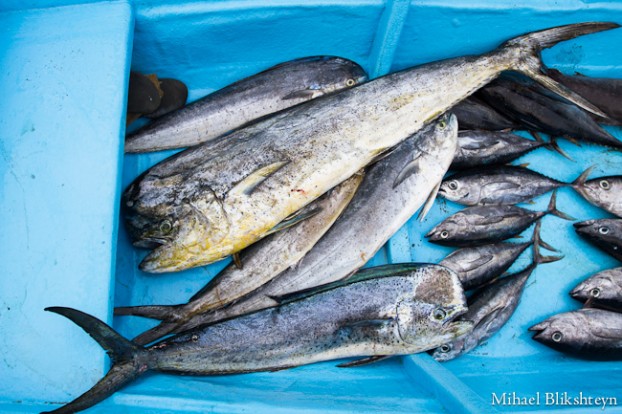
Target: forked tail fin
{"points": [[128, 360], [524, 53]]}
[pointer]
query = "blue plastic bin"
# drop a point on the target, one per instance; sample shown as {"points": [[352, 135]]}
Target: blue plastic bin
{"points": [[64, 69]]}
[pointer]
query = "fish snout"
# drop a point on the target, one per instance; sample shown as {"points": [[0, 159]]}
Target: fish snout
{"points": [[583, 224]]}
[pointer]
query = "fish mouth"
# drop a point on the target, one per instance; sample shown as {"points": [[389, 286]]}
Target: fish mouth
{"points": [[149, 243], [577, 292], [539, 329], [583, 224]]}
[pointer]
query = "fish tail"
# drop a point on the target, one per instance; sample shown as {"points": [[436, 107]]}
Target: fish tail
{"points": [[552, 208], [582, 178], [538, 258], [553, 145], [525, 56], [128, 360]]}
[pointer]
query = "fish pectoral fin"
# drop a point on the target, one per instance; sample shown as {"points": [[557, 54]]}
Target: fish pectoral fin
{"points": [[411, 168], [237, 260], [294, 220], [482, 260], [477, 145], [363, 361], [250, 183], [302, 94], [429, 202], [488, 319]]}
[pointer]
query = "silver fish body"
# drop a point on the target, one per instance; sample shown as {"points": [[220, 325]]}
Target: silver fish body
{"points": [[489, 309], [479, 148], [604, 233], [478, 265], [375, 213], [586, 333], [602, 288], [235, 194], [503, 185], [251, 98], [391, 315]]}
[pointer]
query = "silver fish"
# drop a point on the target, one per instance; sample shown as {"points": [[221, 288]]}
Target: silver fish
{"points": [[603, 288], [487, 224], [479, 265], [478, 148], [221, 201], [362, 317], [604, 233], [261, 262], [586, 333], [603, 192], [375, 213], [251, 98], [502, 185], [489, 309]]}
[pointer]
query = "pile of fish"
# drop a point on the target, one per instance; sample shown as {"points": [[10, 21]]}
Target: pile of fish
{"points": [[302, 173]]}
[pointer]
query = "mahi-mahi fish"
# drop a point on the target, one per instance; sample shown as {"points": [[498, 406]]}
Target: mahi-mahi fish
{"points": [[251, 98], [392, 191], [405, 312], [211, 204]]}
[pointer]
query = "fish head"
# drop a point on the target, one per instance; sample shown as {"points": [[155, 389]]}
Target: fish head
{"points": [[441, 136], [602, 230], [603, 191], [341, 74], [454, 190], [197, 238], [448, 350], [448, 230], [426, 318], [563, 332], [598, 287]]}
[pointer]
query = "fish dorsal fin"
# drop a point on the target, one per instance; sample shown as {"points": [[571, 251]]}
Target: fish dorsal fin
{"points": [[429, 202], [360, 276], [363, 361], [250, 183], [295, 219], [410, 168]]}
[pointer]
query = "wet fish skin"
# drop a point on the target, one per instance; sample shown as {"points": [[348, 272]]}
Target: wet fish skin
{"points": [[602, 288], [479, 265], [478, 148], [251, 98], [592, 334], [603, 192], [489, 309], [604, 233], [475, 114], [392, 315], [502, 185], [488, 224], [605, 93], [261, 262], [237, 195], [535, 108], [375, 213]]}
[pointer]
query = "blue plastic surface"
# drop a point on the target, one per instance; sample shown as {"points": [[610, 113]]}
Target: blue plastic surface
{"points": [[209, 45]]}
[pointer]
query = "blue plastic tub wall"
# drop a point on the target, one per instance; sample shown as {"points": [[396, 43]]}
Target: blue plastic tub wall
{"points": [[211, 44]]}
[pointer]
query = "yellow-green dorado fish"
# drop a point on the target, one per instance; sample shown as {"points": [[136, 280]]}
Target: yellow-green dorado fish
{"points": [[212, 201]]}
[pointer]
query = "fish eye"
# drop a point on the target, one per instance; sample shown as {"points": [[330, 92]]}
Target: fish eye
{"points": [[604, 184], [557, 336], [166, 226], [442, 123], [603, 230], [439, 314], [453, 185], [350, 82], [444, 234], [595, 292], [445, 348]]}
